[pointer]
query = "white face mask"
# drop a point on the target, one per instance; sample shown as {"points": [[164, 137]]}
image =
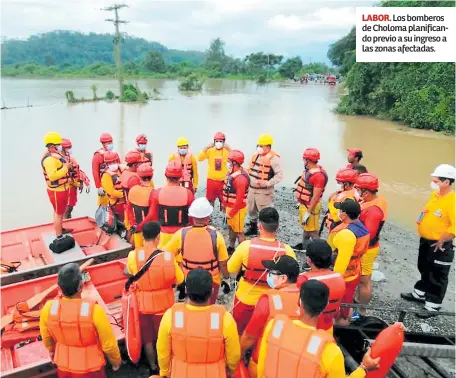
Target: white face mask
{"points": [[218, 145], [69, 151], [59, 148], [357, 194], [260, 150], [229, 166], [113, 167], [435, 186]]}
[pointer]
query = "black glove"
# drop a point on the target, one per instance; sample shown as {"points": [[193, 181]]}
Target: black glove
{"points": [[226, 287], [132, 229]]}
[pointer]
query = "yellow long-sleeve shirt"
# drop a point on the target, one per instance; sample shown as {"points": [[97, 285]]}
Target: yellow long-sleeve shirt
{"points": [[194, 168], [132, 267], [344, 241], [175, 246], [216, 165], [55, 170], [106, 337], [438, 217], [332, 359], [246, 292], [108, 185], [230, 335]]}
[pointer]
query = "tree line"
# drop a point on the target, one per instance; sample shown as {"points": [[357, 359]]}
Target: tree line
{"points": [[421, 95]]}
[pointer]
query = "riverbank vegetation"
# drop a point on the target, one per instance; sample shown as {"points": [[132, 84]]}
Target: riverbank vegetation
{"points": [[421, 95], [132, 93], [76, 55]]}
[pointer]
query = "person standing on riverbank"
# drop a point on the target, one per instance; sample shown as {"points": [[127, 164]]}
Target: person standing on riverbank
{"points": [[436, 227], [309, 191], [56, 174], [216, 154], [99, 166], [354, 156], [265, 172], [374, 211], [146, 155], [187, 160]]}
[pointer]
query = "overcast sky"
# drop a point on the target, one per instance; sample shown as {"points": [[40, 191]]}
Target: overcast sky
{"points": [[288, 27]]}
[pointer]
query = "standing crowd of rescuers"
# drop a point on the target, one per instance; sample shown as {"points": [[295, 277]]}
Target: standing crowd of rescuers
{"points": [[355, 217]]}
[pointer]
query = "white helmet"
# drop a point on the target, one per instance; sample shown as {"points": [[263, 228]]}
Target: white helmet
{"points": [[200, 208], [445, 171]]}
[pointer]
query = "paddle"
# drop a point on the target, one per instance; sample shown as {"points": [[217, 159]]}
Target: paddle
{"points": [[38, 298]]}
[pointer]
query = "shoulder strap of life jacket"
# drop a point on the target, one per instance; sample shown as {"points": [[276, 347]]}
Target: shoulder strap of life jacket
{"points": [[143, 269]]}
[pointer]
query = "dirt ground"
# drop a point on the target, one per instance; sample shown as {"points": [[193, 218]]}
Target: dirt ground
{"points": [[397, 260]]}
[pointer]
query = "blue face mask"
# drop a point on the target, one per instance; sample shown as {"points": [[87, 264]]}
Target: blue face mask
{"points": [[142, 147], [270, 280], [182, 151], [109, 146]]}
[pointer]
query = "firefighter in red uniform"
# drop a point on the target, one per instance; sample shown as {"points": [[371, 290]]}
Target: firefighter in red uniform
{"points": [[235, 192], [282, 299], [99, 166], [146, 155], [354, 156], [169, 205], [374, 211], [319, 259], [78, 179], [129, 178], [138, 200], [309, 191]]}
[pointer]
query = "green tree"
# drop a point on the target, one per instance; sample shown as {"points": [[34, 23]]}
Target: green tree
{"points": [[154, 62], [215, 58], [342, 53], [291, 67]]}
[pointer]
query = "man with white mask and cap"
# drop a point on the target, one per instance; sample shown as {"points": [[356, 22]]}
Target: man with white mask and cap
{"points": [[436, 227]]}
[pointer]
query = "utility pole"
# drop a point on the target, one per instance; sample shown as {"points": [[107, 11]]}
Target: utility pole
{"points": [[117, 40]]}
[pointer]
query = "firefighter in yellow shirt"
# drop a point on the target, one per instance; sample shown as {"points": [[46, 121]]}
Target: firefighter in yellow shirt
{"points": [[217, 156], [185, 158], [186, 348], [301, 335], [436, 227], [66, 326]]}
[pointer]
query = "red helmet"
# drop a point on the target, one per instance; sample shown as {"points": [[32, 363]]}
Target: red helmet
{"points": [[173, 169], [219, 136], [66, 143], [105, 138], [347, 175], [236, 156], [133, 156], [141, 139], [111, 157], [145, 170], [367, 181], [311, 154]]}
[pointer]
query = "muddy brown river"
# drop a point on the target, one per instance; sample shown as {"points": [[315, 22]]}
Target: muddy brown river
{"points": [[297, 116]]}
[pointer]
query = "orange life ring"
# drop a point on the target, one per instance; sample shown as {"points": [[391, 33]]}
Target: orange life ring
{"points": [[387, 346], [130, 316]]}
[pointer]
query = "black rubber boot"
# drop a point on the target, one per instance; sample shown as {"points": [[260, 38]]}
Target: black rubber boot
{"points": [[253, 229]]}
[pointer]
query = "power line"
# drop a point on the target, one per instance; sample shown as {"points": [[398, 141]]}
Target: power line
{"points": [[117, 40]]}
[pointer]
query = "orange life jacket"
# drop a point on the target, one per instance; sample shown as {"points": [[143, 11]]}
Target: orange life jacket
{"points": [[336, 286], [381, 203], [199, 250], [304, 190], [261, 250], [139, 198], [127, 183], [173, 206], [154, 289], [294, 351], [340, 196], [187, 172], [280, 302], [75, 172], [146, 156], [197, 342], [260, 166], [103, 166], [229, 190], [61, 181], [77, 348], [361, 246], [117, 183]]}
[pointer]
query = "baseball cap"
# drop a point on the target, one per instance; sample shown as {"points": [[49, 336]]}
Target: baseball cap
{"points": [[284, 264], [349, 206], [356, 152]]}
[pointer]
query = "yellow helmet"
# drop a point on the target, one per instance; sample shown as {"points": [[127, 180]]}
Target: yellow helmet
{"points": [[265, 140], [52, 138], [182, 142]]}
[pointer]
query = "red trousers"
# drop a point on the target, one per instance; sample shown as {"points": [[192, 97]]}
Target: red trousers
{"points": [[149, 324], [242, 313], [59, 200], [72, 196], [350, 290], [214, 190]]}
